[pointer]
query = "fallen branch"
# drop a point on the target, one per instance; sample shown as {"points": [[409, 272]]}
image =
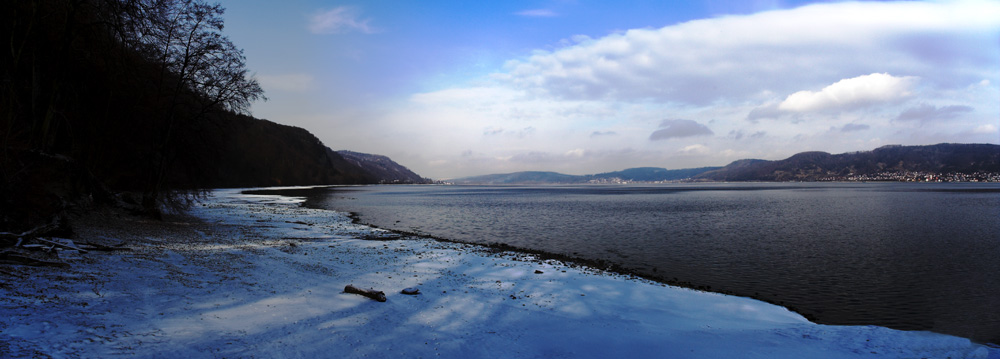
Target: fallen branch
{"points": [[370, 293], [34, 232], [61, 243]]}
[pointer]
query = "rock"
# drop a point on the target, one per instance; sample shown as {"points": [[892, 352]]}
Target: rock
{"points": [[410, 291]]}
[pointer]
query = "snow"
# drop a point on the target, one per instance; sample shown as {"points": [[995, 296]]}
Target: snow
{"points": [[264, 277]]}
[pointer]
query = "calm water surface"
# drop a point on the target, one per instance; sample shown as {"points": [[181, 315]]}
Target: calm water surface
{"points": [[906, 256]]}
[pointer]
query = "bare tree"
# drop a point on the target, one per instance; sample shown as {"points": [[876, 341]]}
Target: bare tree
{"points": [[90, 77], [185, 36], [201, 71]]}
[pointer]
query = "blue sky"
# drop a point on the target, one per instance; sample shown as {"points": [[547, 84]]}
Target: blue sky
{"points": [[457, 88]]}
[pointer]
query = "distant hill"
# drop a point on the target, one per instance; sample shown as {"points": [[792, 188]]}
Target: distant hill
{"points": [[650, 174], [884, 163], [242, 151], [380, 168], [528, 177], [945, 162], [642, 174], [249, 152]]}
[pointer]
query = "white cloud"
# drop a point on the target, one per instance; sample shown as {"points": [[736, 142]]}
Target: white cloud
{"points": [[734, 57], [464, 95], [853, 92], [679, 128], [926, 112], [576, 152], [498, 131], [741, 134], [853, 127], [696, 149], [603, 133], [492, 131], [537, 13], [985, 129], [866, 91], [339, 20], [287, 82]]}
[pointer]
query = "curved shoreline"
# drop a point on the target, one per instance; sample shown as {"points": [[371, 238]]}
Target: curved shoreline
{"points": [[592, 263], [263, 276]]}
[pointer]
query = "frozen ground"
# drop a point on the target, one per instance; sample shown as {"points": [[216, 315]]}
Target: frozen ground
{"points": [[263, 277]]}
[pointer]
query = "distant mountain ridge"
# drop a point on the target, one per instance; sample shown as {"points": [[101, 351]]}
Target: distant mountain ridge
{"points": [[945, 161], [525, 177], [640, 174], [380, 168], [940, 162], [650, 174]]}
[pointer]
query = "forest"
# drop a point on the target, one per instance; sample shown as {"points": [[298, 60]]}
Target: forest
{"points": [[140, 103]]}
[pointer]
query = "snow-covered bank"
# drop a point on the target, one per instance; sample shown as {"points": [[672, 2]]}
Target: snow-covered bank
{"points": [[264, 277]]}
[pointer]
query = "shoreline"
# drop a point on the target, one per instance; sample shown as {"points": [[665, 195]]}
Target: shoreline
{"points": [[263, 276], [813, 308]]}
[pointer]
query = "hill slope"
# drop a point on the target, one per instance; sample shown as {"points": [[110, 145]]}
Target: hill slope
{"points": [[527, 177], [884, 163], [641, 174], [380, 169], [649, 174], [253, 153]]}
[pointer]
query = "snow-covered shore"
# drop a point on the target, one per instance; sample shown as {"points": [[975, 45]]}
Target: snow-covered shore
{"points": [[261, 276]]}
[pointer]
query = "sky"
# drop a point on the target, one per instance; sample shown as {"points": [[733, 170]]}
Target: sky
{"points": [[461, 88]]}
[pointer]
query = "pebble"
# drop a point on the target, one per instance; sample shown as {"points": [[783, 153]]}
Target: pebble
{"points": [[410, 291]]}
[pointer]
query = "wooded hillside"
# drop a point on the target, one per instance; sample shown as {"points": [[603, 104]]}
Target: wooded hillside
{"points": [[883, 163], [99, 97]]}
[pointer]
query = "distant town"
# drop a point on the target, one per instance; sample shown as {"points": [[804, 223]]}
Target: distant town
{"points": [[921, 177], [876, 177]]}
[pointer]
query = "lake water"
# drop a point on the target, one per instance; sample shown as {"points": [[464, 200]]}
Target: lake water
{"points": [[905, 256]]}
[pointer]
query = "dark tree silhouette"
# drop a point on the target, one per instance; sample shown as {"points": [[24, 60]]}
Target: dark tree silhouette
{"points": [[119, 85], [200, 70], [135, 103]]}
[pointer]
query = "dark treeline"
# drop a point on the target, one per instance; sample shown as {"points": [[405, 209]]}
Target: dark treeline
{"points": [[145, 97]]}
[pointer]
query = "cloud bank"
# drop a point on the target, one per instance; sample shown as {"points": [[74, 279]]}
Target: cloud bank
{"points": [[736, 57]]}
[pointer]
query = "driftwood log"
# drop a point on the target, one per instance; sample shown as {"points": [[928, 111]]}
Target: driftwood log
{"points": [[370, 293]]}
